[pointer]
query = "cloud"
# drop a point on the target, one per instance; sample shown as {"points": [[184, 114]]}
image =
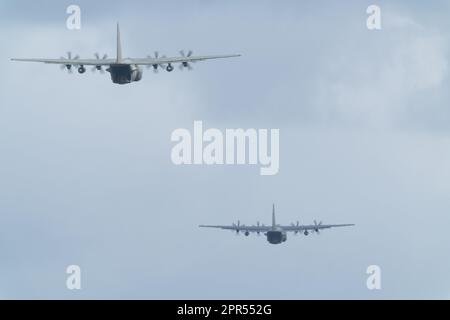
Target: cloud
{"points": [[87, 177], [376, 86]]}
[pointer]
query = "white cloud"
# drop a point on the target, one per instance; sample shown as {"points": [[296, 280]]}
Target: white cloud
{"points": [[377, 85], [87, 177]]}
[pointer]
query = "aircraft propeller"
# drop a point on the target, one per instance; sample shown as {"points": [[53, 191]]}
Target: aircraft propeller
{"points": [[156, 66], [186, 64], [238, 225], [316, 230], [99, 67], [297, 226], [69, 66]]}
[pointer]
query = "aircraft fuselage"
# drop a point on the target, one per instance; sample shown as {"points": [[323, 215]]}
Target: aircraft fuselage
{"points": [[276, 236], [125, 73]]}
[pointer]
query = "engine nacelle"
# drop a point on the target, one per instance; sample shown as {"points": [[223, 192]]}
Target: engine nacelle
{"points": [[169, 68], [136, 75]]}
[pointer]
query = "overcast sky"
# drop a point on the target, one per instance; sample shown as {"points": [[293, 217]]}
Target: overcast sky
{"points": [[86, 176]]}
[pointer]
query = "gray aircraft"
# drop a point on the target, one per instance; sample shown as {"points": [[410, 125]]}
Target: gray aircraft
{"points": [[126, 70], [277, 234]]}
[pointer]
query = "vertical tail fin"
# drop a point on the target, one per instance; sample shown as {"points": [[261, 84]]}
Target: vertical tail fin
{"points": [[119, 45], [274, 224]]}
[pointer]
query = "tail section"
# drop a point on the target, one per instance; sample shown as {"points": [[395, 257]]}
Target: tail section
{"points": [[274, 224], [119, 45]]}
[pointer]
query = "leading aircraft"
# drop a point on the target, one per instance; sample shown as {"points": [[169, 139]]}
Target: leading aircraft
{"points": [[275, 233], [126, 70]]}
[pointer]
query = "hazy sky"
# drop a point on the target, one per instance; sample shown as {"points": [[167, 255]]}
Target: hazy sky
{"points": [[86, 176]]}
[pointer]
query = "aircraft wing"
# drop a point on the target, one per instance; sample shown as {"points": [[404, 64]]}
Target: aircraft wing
{"points": [[142, 61], [75, 62], [314, 227], [243, 228], [186, 59]]}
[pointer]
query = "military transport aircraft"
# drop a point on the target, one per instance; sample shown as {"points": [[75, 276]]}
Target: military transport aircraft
{"points": [[126, 70], [277, 234]]}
